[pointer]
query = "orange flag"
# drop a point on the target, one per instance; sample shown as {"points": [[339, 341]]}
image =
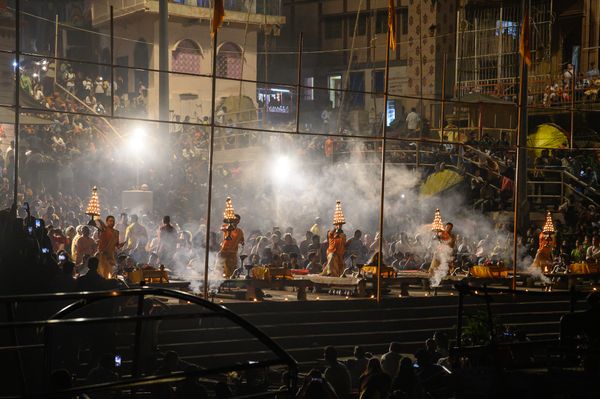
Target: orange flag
{"points": [[218, 16], [524, 42], [392, 24]]}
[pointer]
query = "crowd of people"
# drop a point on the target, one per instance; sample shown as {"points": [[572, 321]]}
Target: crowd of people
{"points": [[60, 162]]}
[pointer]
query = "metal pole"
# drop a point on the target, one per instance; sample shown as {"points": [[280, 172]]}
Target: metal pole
{"points": [[299, 81], [421, 105], [459, 318], [17, 99], [520, 164], [56, 46], [383, 148], [112, 66], [572, 109], [443, 110], [163, 60], [211, 145], [137, 345]]}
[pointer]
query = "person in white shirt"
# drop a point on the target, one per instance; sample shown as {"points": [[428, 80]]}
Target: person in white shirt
{"points": [[593, 72], [593, 252], [413, 120]]}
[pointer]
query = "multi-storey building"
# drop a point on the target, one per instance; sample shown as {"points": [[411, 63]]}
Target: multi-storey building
{"points": [[349, 39], [136, 45]]}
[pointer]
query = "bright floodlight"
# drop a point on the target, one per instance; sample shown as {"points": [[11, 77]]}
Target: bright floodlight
{"points": [[137, 140], [282, 168]]}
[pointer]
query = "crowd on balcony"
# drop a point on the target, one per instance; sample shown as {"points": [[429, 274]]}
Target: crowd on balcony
{"points": [[573, 86]]}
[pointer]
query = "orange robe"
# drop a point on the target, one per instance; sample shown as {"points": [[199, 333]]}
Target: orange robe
{"points": [[335, 254], [543, 257], [229, 249], [108, 240]]}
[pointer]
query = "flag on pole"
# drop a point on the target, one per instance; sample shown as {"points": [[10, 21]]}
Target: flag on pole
{"points": [[392, 24], [524, 42], [218, 16]]}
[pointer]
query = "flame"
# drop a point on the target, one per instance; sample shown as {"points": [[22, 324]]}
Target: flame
{"points": [[549, 225], [338, 215], [229, 213], [93, 208], [437, 224]]}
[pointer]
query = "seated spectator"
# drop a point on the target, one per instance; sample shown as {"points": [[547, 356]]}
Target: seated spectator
{"points": [[60, 380], [337, 374], [191, 387], [64, 281], [374, 383], [431, 347], [390, 361], [406, 382], [313, 265], [357, 365], [316, 386], [289, 246], [92, 281], [103, 372], [432, 377]]}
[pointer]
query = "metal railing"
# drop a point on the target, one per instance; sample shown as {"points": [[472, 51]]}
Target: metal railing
{"points": [[83, 299]]}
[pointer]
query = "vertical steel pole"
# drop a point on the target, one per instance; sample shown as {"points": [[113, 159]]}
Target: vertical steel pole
{"points": [[572, 113], [211, 145], [56, 47], [520, 164], [163, 60], [443, 110], [137, 348], [17, 100], [112, 65], [383, 150], [299, 81]]}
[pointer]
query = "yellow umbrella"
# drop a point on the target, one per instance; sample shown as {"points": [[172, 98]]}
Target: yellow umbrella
{"points": [[439, 182], [547, 135]]}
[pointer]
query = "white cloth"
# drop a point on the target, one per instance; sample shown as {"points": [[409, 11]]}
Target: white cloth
{"points": [[412, 120]]}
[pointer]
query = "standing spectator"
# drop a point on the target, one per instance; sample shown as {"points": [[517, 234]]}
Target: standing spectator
{"points": [[325, 117], [83, 245], [412, 122], [569, 74], [167, 241], [337, 374]]}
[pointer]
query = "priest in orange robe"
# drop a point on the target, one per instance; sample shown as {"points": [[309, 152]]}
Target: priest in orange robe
{"points": [[335, 252], [444, 253], [543, 258], [108, 243], [228, 254]]}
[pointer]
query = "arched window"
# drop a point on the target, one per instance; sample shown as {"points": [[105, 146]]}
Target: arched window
{"points": [[229, 61], [186, 57]]}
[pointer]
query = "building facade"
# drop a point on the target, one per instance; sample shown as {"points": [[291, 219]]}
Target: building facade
{"points": [[136, 45]]}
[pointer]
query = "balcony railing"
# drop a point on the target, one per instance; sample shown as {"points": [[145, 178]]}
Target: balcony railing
{"points": [[543, 90], [266, 7], [259, 9]]}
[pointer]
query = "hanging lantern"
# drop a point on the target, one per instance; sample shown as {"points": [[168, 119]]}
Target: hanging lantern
{"points": [[437, 224], [549, 225], [229, 218], [338, 215]]}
